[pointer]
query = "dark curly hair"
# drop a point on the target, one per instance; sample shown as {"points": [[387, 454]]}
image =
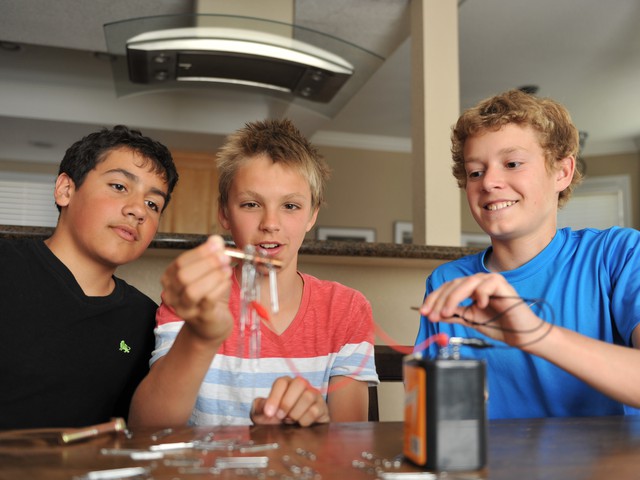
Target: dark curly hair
{"points": [[83, 156]]}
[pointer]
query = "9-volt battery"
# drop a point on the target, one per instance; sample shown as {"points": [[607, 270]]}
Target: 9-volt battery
{"points": [[445, 425]]}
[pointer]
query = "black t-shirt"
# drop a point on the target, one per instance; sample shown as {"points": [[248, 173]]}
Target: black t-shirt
{"points": [[66, 359]]}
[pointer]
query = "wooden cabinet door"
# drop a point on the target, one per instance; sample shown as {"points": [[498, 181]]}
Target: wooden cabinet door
{"points": [[194, 203]]}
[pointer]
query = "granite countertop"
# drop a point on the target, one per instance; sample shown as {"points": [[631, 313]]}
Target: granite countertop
{"points": [[184, 241]]}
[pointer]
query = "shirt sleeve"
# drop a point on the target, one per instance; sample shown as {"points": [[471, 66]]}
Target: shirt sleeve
{"points": [[624, 265], [168, 324], [355, 358]]}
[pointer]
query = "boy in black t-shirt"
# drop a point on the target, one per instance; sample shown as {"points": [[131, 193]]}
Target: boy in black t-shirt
{"points": [[76, 339]]}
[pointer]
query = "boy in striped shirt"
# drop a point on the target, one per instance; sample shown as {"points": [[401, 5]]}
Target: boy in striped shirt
{"points": [[316, 359]]}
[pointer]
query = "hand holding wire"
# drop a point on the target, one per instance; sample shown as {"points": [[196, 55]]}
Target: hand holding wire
{"points": [[495, 309]]}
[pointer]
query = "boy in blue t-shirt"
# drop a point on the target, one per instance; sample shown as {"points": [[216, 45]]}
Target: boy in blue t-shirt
{"points": [[565, 304]]}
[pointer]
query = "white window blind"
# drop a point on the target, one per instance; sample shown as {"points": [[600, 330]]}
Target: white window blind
{"points": [[27, 199], [599, 202]]}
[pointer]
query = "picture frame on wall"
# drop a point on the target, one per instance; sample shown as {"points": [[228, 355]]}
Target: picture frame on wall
{"points": [[403, 232], [346, 234]]}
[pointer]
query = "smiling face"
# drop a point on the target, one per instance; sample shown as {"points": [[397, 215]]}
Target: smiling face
{"points": [[269, 206], [111, 219], [510, 192]]}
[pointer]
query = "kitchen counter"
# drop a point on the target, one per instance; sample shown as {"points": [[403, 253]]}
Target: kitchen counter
{"points": [[182, 241]]}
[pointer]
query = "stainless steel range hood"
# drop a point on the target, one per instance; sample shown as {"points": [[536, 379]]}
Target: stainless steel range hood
{"points": [[236, 56], [288, 69]]}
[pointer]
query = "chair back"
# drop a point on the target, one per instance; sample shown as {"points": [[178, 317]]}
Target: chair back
{"points": [[389, 367]]}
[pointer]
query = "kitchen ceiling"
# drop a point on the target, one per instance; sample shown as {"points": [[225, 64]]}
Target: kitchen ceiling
{"points": [[59, 86]]}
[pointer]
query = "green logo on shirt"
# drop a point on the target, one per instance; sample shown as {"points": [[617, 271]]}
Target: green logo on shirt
{"points": [[124, 347]]}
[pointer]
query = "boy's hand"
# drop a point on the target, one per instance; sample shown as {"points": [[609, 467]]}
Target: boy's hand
{"points": [[292, 400], [197, 285], [497, 311]]}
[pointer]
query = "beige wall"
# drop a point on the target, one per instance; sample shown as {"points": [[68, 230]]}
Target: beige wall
{"points": [[622, 164], [370, 189], [367, 189], [29, 167]]}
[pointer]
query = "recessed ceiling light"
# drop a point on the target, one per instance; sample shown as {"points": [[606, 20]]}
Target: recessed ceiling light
{"points": [[10, 46], [530, 89], [104, 56], [41, 144]]}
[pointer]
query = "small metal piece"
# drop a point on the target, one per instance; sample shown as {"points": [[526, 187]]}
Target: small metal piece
{"points": [[250, 323], [407, 476], [163, 447], [116, 473], [215, 445], [207, 437], [199, 470], [366, 467], [257, 447], [161, 434], [118, 451], [183, 462], [146, 455], [305, 453], [379, 461], [300, 471], [469, 342], [135, 454], [77, 434], [250, 257], [242, 462], [273, 289]]}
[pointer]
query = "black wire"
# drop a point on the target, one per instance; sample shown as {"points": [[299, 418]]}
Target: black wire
{"points": [[530, 302]]}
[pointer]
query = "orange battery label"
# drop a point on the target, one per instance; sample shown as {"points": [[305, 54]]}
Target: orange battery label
{"points": [[415, 417]]}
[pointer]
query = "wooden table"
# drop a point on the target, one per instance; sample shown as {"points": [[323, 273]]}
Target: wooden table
{"points": [[582, 448]]}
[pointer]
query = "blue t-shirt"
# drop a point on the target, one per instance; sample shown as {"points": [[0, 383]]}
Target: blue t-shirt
{"points": [[591, 280]]}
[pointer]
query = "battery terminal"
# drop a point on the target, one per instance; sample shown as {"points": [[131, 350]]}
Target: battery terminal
{"points": [[452, 349]]}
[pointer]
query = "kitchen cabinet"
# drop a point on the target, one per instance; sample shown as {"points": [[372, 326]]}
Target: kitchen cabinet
{"points": [[194, 201]]}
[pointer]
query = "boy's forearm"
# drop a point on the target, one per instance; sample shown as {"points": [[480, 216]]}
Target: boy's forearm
{"points": [[167, 395], [612, 369], [348, 400]]}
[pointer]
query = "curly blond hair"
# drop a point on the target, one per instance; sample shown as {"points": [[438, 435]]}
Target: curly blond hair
{"points": [[558, 136]]}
